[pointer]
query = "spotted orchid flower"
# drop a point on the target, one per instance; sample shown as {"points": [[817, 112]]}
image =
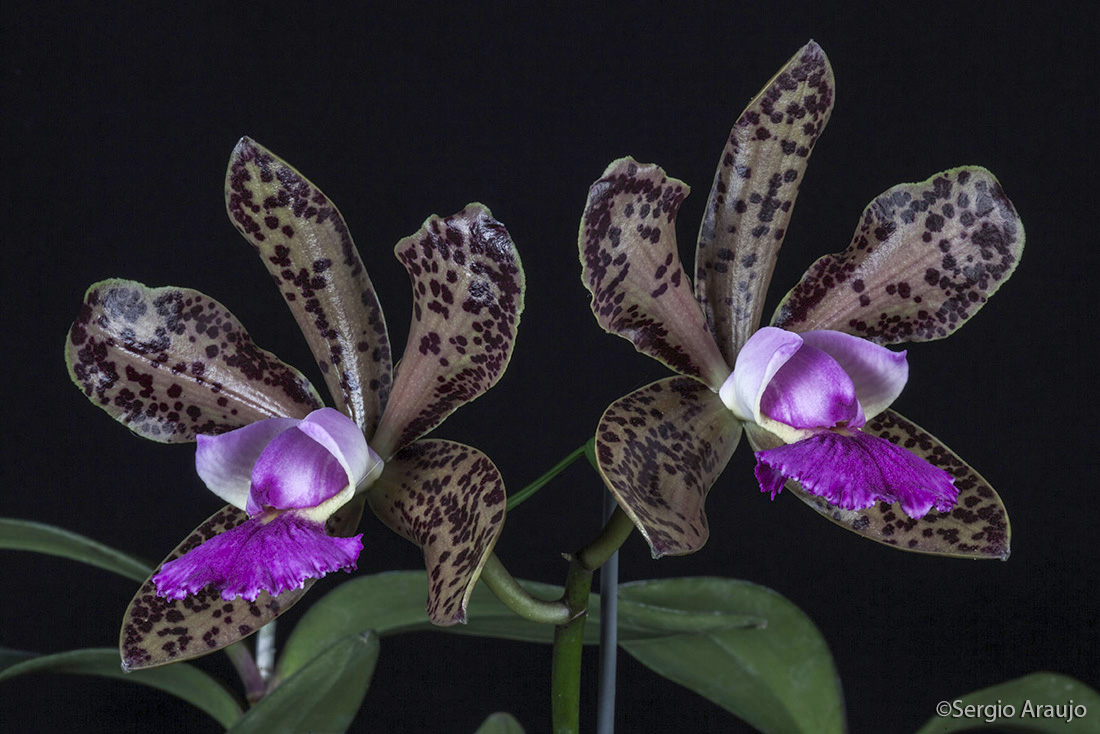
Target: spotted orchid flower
{"points": [[812, 390], [174, 365]]}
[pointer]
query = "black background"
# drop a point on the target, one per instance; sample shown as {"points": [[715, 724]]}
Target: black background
{"points": [[119, 126]]}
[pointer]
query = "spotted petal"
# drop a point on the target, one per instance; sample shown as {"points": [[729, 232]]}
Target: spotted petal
{"points": [[977, 527], [659, 450], [754, 192], [171, 363], [468, 287], [924, 259], [157, 631], [308, 250], [631, 267], [448, 499]]}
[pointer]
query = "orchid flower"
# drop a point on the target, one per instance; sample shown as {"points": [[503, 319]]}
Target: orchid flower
{"points": [[812, 390], [174, 365]]}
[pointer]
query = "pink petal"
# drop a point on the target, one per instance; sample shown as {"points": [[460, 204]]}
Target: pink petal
{"points": [[855, 470], [343, 439], [294, 471], [810, 391], [225, 462], [879, 374], [262, 554], [757, 362]]}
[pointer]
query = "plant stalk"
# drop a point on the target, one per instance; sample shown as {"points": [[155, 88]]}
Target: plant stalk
{"points": [[609, 633], [518, 599], [565, 667]]}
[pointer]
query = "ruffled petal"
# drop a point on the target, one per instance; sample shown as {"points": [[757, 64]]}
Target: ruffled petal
{"points": [[225, 462], [631, 266], [157, 630], [924, 259], [263, 554], [855, 470], [660, 450], [343, 439], [811, 390], [295, 471], [172, 363], [757, 362], [305, 245], [448, 499], [468, 287], [878, 374], [753, 195]]}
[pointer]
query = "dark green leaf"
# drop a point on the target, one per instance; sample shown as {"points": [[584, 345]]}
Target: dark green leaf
{"points": [[779, 678], [34, 536], [1029, 698], [184, 681], [324, 695], [500, 723], [9, 657], [391, 603]]}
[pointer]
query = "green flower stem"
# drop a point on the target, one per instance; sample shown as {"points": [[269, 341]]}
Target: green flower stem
{"points": [[515, 499], [565, 667], [609, 633], [565, 671], [518, 599], [615, 533], [254, 686]]}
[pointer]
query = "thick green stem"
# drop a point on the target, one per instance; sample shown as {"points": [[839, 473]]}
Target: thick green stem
{"points": [[565, 677], [518, 599], [565, 670], [615, 533]]}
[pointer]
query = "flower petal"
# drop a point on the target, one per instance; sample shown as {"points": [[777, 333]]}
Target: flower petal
{"points": [[156, 631], [878, 374], [448, 499], [757, 362], [344, 440], [225, 462], [308, 250], [924, 259], [632, 269], [262, 554], [295, 471], [659, 450], [171, 363], [978, 527], [468, 289], [855, 470], [811, 390], [754, 192]]}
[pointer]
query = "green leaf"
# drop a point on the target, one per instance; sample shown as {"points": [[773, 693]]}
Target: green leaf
{"points": [[183, 681], [323, 696], [1029, 698], [9, 657], [500, 723], [391, 603], [778, 679], [34, 536]]}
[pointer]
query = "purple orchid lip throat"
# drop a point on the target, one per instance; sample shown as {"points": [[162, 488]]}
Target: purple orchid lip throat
{"points": [[797, 384], [815, 391], [290, 476]]}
